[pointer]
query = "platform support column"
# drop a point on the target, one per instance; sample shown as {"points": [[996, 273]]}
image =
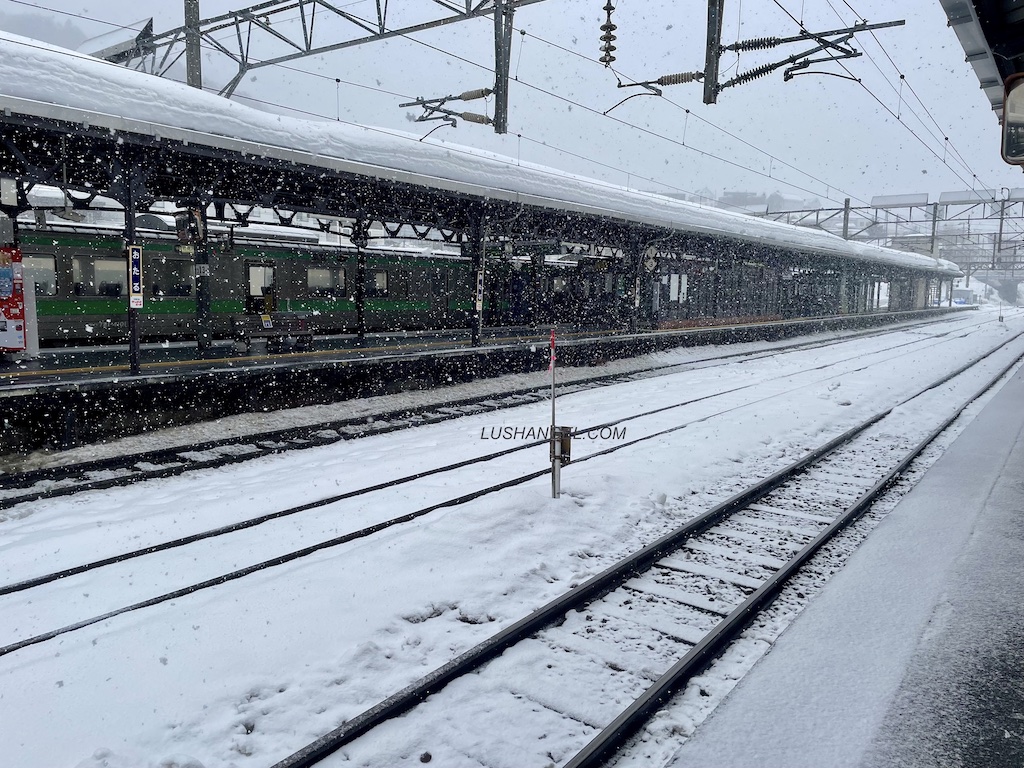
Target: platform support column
{"points": [[204, 286], [128, 188], [134, 334], [360, 238], [473, 246], [536, 290], [634, 271]]}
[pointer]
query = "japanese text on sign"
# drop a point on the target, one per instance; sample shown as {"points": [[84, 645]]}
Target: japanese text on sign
{"points": [[135, 276]]}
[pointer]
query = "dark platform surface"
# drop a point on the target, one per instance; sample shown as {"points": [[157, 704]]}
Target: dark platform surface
{"points": [[913, 655]]}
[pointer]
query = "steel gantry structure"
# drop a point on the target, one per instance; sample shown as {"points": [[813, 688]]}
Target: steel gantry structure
{"points": [[982, 231], [237, 34]]}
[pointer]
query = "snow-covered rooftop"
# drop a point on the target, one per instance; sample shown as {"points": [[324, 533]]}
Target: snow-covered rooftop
{"points": [[41, 80]]}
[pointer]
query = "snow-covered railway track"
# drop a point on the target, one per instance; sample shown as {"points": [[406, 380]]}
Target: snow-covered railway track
{"points": [[22, 487], [217, 564], [570, 684]]}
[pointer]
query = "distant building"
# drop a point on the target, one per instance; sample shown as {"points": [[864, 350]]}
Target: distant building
{"points": [[912, 243]]}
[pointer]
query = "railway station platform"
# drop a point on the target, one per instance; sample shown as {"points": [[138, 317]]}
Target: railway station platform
{"points": [[73, 396], [913, 654]]}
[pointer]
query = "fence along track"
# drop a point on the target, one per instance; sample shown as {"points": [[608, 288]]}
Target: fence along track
{"points": [[713, 569]]}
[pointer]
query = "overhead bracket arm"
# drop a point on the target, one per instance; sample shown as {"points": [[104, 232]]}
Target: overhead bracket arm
{"points": [[434, 109], [834, 41]]}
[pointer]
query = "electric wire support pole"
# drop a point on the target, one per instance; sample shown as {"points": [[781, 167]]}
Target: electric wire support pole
{"points": [[716, 8], [193, 55], [503, 11]]}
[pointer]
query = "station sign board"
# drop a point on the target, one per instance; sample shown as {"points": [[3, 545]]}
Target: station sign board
{"points": [[135, 295]]}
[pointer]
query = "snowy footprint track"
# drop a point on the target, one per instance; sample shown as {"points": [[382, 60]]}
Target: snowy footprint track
{"points": [[51, 482], [570, 684]]}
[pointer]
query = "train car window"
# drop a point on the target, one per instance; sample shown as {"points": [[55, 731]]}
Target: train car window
{"points": [[327, 282], [1013, 120], [98, 277], [677, 288], [261, 298], [558, 284], [261, 276], [399, 284], [169, 277], [41, 270], [379, 285]]}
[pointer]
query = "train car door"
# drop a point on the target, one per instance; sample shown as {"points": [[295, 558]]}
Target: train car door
{"points": [[438, 280], [261, 297]]}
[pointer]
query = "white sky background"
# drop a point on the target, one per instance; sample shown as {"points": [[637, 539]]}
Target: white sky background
{"points": [[813, 137]]}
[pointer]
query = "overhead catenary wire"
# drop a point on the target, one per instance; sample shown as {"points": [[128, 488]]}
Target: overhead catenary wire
{"points": [[942, 132], [297, 70], [773, 159], [895, 115], [703, 153], [888, 109]]}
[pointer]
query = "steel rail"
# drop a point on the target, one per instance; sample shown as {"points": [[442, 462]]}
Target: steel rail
{"points": [[318, 503], [617, 734], [364, 532], [370, 530], [613, 577], [173, 461]]}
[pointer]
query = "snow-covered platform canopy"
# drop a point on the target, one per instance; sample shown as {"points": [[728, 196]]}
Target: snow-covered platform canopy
{"points": [[62, 112]]}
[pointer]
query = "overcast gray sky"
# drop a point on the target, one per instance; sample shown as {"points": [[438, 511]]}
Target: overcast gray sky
{"points": [[815, 136]]}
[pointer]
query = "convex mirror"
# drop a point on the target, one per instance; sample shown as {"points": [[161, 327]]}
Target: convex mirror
{"points": [[1013, 120]]}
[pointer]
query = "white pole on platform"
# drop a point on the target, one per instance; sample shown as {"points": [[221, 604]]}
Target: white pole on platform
{"points": [[556, 444]]}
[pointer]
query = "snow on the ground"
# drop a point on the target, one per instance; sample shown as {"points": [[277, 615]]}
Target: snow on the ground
{"points": [[251, 423], [245, 673], [939, 578]]}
